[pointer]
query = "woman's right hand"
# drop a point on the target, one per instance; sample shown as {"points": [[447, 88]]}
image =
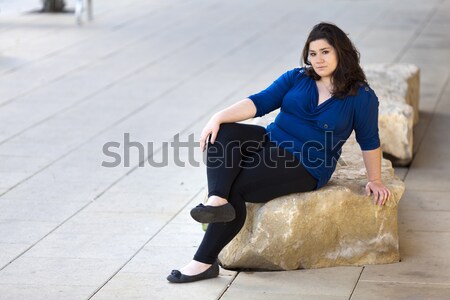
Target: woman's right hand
{"points": [[211, 129]]}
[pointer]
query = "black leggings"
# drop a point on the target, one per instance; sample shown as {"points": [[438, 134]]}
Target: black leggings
{"points": [[244, 166]]}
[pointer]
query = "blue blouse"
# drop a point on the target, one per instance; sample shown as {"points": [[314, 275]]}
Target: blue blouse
{"points": [[315, 133]]}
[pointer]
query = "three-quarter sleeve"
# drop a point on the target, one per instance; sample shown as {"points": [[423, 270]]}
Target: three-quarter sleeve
{"points": [[272, 97], [366, 119]]}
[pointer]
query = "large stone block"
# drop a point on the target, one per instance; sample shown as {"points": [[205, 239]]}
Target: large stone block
{"points": [[395, 123], [396, 82], [398, 89], [334, 226]]}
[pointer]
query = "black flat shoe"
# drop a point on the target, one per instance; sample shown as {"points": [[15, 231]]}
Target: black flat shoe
{"points": [[177, 277], [213, 214]]}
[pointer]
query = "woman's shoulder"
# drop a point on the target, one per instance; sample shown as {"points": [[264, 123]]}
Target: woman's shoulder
{"points": [[365, 91], [296, 74], [365, 97], [300, 71]]}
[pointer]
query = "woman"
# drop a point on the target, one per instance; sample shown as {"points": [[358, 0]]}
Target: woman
{"points": [[321, 104]]}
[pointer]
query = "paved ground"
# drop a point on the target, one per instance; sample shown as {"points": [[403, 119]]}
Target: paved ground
{"points": [[72, 229]]}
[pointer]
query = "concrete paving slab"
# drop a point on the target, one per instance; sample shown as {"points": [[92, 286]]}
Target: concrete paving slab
{"points": [[10, 179], [432, 82], [45, 291], [430, 221], [20, 163], [437, 156], [23, 231], [424, 244], [425, 200], [90, 246], [428, 180], [394, 290], [401, 172], [44, 271], [412, 269], [252, 295], [9, 251], [144, 286], [28, 209], [174, 235], [439, 57], [338, 281], [115, 223]]}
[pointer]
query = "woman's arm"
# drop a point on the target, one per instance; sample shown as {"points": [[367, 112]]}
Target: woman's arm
{"points": [[372, 161], [240, 111]]}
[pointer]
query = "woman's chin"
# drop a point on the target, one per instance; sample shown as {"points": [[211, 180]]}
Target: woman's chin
{"points": [[322, 73]]}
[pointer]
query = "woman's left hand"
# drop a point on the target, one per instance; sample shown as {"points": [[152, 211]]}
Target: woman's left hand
{"points": [[381, 193]]}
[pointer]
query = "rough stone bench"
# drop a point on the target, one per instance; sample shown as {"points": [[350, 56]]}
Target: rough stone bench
{"points": [[336, 225], [398, 89]]}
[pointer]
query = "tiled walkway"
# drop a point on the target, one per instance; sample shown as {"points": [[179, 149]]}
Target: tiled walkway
{"points": [[145, 71]]}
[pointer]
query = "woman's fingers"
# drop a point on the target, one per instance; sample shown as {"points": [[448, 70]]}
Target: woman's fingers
{"points": [[388, 196], [376, 196], [203, 138], [381, 194], [382, 197], [213, 136]]}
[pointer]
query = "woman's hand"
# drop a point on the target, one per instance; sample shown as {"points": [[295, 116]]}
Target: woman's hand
{"points": [[381, 193], [211, 129]]}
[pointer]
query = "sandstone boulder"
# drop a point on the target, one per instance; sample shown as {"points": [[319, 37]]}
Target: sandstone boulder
{"points": [[398, 88], [396, 82], [334, 226]]}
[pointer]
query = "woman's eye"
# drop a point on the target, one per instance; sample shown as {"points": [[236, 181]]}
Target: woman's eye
{"points": [[325, 52], [312, 54]]}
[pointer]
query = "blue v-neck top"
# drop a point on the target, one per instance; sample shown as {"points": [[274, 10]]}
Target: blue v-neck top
{"points": [[315, 133]]}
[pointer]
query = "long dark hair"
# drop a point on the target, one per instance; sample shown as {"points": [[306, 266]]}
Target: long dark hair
{"points": [[348, 76]]}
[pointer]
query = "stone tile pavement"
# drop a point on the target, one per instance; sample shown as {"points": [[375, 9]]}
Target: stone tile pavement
{"points": [[149, 70]]}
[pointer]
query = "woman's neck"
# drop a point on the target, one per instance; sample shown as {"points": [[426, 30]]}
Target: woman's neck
{"points": [[326, 82]]}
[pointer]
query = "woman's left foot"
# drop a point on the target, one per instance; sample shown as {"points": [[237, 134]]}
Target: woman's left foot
{"points": [[178, 277]]}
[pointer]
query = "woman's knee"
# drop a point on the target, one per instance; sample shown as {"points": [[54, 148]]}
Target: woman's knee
{"points": [[227, 131], [240, 132]]}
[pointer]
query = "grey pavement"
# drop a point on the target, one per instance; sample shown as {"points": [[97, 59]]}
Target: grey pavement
{"points": [[71, 228]]}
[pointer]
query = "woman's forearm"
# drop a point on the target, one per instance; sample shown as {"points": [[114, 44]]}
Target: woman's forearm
{"points": [[240, 111], [372, 161]]}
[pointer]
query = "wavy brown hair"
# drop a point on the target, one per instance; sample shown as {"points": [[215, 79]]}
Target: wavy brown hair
{"points": [[348, 76]]}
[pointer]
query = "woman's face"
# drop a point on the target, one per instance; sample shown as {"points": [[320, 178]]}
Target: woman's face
{"points": [[323, 58]]}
